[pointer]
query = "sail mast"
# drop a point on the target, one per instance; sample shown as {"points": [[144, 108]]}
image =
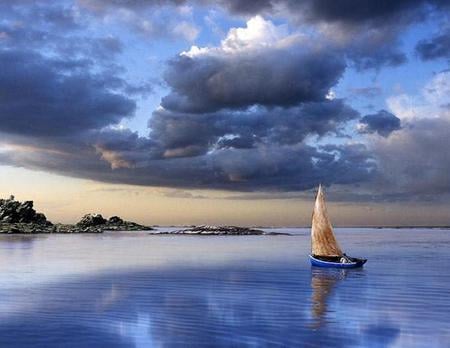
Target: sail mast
{"points": [[323, 241]]}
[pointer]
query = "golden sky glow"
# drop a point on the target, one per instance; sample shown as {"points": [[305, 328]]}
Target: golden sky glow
{"points": [[65, 199]]}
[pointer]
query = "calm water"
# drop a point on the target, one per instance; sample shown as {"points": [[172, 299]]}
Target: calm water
{"points": [[136, 290]]}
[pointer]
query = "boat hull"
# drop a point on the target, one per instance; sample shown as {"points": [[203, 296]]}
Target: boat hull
{"points": [[330, 264]]}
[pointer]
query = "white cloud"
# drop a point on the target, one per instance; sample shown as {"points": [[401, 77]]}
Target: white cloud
{"points": [[406, 107], [185, 10], [437, 91], [186, 30], [431, 102], [331, 95], [258, 34]]}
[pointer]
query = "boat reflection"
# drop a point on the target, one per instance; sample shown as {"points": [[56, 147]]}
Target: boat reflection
{"points": [[323, 283]]}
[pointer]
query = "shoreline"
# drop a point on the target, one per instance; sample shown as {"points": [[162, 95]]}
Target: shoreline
{"points": [[29, 228], [32, 229], [208, 230]]}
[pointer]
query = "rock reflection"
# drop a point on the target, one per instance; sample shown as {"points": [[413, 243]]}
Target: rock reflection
{"points": [[25, 241]]}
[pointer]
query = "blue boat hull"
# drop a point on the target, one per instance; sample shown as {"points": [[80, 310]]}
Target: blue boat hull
{"points": [[330, 264]]}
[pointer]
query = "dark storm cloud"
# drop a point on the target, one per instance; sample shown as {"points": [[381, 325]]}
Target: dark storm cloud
{"points": [[42, 96], [56, 79], [374, 49], [383, 123], [414, 161], [179, 133], [352, 12], [282, 168], [271, 77], [237, 142], [189, 151], [345, 11], [347, 164], [436, 47], [314, 10]]}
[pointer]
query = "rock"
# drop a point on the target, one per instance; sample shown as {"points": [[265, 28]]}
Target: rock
{"points": [[115, 223], [91, 220], [221, 230], [12, 211], [41, 219], [17, 217], [25, 228], [115, 220], [94, 223]]}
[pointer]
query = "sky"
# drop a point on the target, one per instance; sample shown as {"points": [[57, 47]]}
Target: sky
{"points": [[227, 112]]}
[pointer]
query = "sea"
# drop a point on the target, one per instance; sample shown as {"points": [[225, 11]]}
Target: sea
{"points": [[132, 289]]}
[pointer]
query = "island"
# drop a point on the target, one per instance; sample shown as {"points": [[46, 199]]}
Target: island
{"points": [[207, 230], [21, 217]]}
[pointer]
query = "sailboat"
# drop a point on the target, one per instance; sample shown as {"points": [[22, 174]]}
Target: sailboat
{"points": [[325, 250]]}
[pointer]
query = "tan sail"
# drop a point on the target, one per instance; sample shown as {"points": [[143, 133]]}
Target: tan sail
{"points": [[323, 241]]}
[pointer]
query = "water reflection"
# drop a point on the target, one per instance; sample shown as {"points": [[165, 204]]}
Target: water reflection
{"points": [[219, 307], [322, 283], [247, 292]]}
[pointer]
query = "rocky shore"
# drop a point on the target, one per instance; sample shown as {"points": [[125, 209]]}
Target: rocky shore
{"points": [[21, 217], [206, 230]]}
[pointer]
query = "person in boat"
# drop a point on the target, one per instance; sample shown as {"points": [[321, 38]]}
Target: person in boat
{"points": [[345, 259]]}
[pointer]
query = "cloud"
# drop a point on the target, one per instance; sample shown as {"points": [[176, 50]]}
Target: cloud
{"points": [[151, 19], [383, 123], [312, 10], [239, 129], [183, 194], [350, 12], [57, 79], [343, 11], [50, 16], [254, 113], [412, 160], [187, 30], [266, 168], [431, 102], [44, 96], [247, 129], [260, 64], [368, 31], [434, 48], [372, 48]]}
